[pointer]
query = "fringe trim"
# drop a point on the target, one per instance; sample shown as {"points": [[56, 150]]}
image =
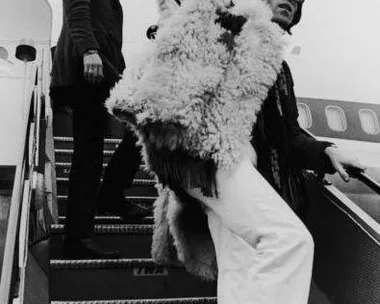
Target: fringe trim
{"points": [[181, 234]]}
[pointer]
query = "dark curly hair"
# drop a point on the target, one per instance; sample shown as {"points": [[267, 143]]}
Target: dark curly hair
{"points": [[297, 17]]}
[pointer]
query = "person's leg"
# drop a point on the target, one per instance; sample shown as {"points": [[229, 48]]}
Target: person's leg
{"points": [[264, 252], [123, 165], [88, 134], [119, 175], [89, 118]]}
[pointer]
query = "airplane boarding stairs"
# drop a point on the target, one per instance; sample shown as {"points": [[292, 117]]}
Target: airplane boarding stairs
{"points": [[342, 247]]}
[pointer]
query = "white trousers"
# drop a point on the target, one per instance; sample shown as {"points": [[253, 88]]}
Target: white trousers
{"points": [[264, 252]]}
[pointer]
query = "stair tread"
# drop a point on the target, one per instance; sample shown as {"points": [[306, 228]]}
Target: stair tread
{"points": [[108, 263], [115, 220], [70, 152], [136, 181], [128, 198], [112, 229], [199, 300], [70, 139], [134, 279], [68, 165]]}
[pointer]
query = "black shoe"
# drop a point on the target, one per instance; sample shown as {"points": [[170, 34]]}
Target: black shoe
{"points": [[86, 248]]}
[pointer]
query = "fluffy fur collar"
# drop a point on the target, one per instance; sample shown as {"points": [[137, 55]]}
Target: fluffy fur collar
{"points": [[200, 76]]}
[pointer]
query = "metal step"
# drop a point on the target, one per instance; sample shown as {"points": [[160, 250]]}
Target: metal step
{"points": [[70, 140], [81, 280], [145, 201], [65, 155], [149, 301], [133, 241], [130, 229], [140, 187], [63, 170], [67, 143], [62, 125], [113, 220], [136, 182]]}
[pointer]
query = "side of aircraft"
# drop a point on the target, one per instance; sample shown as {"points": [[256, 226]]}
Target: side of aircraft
{"points": [[340, 119], [354, 128]]}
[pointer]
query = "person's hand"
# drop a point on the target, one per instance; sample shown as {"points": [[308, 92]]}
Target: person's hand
{"points": [[93, 67], [341, 162]]}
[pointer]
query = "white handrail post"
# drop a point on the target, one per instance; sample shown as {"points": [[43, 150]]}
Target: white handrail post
{"points": [[26, 52]]}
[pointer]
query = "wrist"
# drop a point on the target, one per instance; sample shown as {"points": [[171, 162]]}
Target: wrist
{"points": [[330, 148], [90, 52]]}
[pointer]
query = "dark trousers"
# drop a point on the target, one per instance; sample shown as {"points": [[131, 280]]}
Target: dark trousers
{"points": [[89, 124], [121, 168]]}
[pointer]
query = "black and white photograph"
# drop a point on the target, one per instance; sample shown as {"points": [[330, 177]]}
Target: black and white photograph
{"points": [[189, 152]]}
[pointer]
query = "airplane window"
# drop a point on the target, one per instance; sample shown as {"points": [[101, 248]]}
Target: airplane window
{"points": [[304, 117], [336, 118], [369, 121]]}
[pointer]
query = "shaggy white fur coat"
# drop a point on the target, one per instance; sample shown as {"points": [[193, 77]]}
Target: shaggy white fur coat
{"points": [[194, 80]]}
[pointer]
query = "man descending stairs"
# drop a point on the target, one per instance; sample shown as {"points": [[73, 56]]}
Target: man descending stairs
{"points": [[132, 279]]}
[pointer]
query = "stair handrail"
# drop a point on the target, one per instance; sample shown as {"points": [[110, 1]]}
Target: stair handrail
{"points": [[365, 179], [358, 174], [28, 160], [15, 207]]}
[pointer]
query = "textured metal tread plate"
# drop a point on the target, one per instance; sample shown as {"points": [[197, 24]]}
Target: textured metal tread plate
{"points": [[67, 165], [136, 182], [70, 152], [70, 139], [146, 301], [105, 220], [107, 263], [135, 199], [112, 229]]}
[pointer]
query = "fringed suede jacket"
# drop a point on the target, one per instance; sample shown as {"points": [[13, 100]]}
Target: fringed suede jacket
{"points": [[204, 80]]}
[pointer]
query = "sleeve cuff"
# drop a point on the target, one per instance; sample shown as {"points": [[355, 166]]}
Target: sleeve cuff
{"points": [[91, 45], [326, 163]]}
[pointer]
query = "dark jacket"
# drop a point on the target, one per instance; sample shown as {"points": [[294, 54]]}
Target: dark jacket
{"points": [[88, 24], [277, 129]]}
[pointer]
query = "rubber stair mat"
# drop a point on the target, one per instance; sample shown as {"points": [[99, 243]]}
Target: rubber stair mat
{"points": [[149, 301], [132, 241], [80, 280]]}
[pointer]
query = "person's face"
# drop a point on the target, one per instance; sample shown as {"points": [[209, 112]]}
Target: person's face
{"points": [[284, 11]]}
